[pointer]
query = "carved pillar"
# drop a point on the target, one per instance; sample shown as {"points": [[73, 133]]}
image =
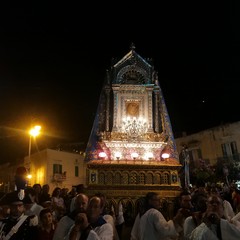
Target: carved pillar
{"points": [[107, 109], [150, 120], [115, 107], [156, 96], [107, 92]]}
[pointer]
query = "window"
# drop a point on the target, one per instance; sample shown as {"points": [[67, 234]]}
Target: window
{"points": [[117, 178], [164, 178], [194, 155], [224, 150], [142, 178], [76, 171], [57, 168], [133, 178], [234, 148], [230, 150]]}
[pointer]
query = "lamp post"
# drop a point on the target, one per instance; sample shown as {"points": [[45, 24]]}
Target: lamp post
{"points": [[33, 132]]}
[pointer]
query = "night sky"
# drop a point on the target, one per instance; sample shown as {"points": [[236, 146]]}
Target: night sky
{"points": [[53, 60]]}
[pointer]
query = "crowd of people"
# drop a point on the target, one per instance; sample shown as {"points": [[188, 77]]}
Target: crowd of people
{"points": [[60, 215], [199, 213]]}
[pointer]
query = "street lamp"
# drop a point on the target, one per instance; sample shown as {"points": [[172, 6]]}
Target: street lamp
{"points": [[33, 132]]}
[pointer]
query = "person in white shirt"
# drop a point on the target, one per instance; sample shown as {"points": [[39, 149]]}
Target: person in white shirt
{"points": [[91, 226], [151, 224], [213, 225], [195, 219], [66, 222], [32, 207], [119, 220]]}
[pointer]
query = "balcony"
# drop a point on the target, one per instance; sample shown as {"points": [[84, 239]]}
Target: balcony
{"points": [[59, 177]]}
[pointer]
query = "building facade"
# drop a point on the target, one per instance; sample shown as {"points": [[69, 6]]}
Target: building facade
{"points": [[211, 144], [7, 174], [216, 145], [56, 168]]}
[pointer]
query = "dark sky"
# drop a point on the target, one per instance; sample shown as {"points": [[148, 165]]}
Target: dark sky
{"points": [[53, 60]]}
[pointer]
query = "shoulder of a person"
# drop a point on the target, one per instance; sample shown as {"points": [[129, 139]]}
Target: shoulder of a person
{"points": [[107, 225], [226, 202], [108, 217], [92, 235], [188, 219], [153, 210], [65, 219], [40, 206], [227, 224], [198, 231]]}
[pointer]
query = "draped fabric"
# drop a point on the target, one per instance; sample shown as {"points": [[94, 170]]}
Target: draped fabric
{"points": [[167, 125], [92, 146]]}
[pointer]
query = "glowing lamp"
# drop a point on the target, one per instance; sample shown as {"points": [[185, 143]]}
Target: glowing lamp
{"points": [[102, 155], [118, 155], [29, 176], [35, 131], [134, 155], [149, 155], [165, 155]]}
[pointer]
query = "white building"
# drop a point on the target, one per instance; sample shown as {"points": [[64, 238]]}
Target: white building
{"points": [[56, 168]]}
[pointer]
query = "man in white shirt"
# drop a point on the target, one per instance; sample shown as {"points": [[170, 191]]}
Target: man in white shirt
{"points": [[152, 224], [213, 226], [91, 226], [66, 222]]}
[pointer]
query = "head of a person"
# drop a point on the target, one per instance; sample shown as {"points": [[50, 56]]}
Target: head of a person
{"points": [[31, 193], [16, 209], [81, 202], [153, 201], [64, 192], [47, 204], [81, 220], [215, 205], [45, 188], [29, 199], [37, 187], [185, 199], [73, 191], [46, 217], [16, 204], [104, 202], [56, 192], [102, 196], [94, 209], [201, 187], [214, 190], [201, 204]]}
